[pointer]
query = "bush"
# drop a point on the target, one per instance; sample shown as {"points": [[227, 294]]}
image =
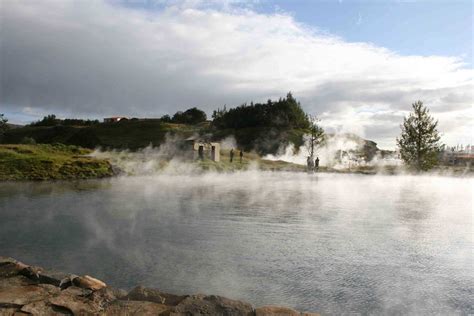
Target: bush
{"points": [[28, 141], [51, 120]]}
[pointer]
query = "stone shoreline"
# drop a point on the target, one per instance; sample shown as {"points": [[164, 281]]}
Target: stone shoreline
{"points": [[31, 290]]}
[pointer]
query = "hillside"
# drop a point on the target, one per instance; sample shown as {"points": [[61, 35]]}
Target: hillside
{"points": [[45, 162], [132, 134], [138, 134]]}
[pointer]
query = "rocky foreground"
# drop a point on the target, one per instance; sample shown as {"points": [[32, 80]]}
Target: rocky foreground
{"points": [[30, 290]]}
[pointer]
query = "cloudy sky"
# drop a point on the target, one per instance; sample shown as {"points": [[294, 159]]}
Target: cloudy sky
{"points": [[358, 65]]}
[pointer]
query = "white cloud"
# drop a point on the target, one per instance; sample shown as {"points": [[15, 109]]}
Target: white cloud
{"points": [[99, 58]]}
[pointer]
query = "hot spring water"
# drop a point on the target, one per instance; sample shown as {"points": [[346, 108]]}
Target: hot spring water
{"points": [[326, 243]]}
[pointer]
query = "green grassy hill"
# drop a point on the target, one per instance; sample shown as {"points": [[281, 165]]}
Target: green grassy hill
{"points": [[136, 134], [122, 135], [45, 162]]}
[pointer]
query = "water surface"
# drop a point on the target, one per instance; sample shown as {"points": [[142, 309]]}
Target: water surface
{"points": [[328, 243]]}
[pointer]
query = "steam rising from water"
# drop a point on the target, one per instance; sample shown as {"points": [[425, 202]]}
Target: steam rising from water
{"points": [[338, 152], [327, 243]]}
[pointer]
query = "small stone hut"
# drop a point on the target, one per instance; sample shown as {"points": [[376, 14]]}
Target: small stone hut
{"points": [[203, 149]]}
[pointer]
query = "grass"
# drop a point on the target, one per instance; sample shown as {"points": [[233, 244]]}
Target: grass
{"points": [[249, 161], [50, 162]]}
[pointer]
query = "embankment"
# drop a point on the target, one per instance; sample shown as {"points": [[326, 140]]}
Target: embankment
{"points": [[50, 162]]}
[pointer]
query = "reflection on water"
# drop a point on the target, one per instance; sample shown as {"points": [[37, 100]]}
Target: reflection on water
{"points": [[327, 243]]}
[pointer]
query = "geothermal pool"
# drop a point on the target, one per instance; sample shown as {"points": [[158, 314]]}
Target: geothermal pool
{"points": [[327, 243]]}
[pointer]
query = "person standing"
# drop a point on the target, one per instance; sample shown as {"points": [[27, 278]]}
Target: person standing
{"points": [[316, 163], [241, 155], [231, 155]]}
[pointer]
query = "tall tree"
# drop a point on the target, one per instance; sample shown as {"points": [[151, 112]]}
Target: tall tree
{"points": [[3, 124], [316, 137], [190, 116], [419, 142], [49, 120]]}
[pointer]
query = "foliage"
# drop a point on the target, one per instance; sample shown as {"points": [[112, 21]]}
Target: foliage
{"points": [[166, 118], [48, 120], [419, 142], [79, 122], [282, 114], [28, 141], [3, 124], [191, 116], [123, 135], [316, 137], [264, 128], [52, 120]]}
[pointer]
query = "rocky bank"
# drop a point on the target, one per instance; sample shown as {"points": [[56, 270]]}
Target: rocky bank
{"points": [[31, 290]]}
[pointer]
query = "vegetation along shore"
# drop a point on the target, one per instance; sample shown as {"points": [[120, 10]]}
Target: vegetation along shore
{"points": [[270, 136]]}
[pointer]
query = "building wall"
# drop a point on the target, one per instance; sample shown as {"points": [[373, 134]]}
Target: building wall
{"points": [[208, 152]]}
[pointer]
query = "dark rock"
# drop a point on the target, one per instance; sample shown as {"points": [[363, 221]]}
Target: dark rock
{"points": [[6, 260], [32, 272], [212, 305], [10, 267], [129, 308], [59, 279], [141, 293]]}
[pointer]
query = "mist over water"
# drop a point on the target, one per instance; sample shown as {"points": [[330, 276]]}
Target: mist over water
{"points": [[325, 242]]}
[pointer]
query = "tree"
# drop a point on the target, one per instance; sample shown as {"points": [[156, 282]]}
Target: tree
{"points": [[190, 116], [49, 120], [166, 118], [284, 114], [3, 124], [419, 142], [316, 137]]}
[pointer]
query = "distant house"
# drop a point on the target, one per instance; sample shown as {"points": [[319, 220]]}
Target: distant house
{"points": [[202, 149], [457, 158], [114, 119]]}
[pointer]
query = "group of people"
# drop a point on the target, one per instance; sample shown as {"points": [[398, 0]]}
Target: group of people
{"points": [[312, 165], [241, 154]]}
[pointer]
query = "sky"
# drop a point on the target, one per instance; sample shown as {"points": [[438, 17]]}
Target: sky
{"points": [[357, 65]]}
